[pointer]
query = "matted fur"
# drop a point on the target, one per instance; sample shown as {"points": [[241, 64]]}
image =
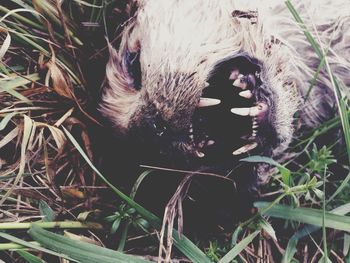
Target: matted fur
{"points": [[180, 42]]}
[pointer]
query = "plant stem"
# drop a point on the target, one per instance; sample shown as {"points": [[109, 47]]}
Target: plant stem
{"points": [[7, 246], [58, 224], [324, 233]]}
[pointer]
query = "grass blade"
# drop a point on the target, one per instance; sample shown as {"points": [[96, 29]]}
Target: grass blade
{"points": [[183, 244], [33, 246], [27, 131], [304, 28], [29, 257], [46, 211], [9, 86], [324, 232], [306, 215], [234, 252], [6, 120], [80, 251], [138, 183], [5, 46], [285, 172], [344, 116], [57, 225], [307, 230]]}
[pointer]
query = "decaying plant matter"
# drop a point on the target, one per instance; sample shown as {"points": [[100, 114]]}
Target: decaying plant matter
{"points": [[195, 86]]}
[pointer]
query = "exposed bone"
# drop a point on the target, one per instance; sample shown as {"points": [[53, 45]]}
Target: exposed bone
{"points": [[246, 94], [245, 148], [206, 102], [234, 74], [240, 82], [253, 111]]}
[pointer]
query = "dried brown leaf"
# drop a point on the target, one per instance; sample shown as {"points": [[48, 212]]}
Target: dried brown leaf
{"points": [[60, 80], [73, 192]]}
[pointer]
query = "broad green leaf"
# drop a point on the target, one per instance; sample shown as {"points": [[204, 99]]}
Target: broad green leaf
{"points": [[234, 252], [80, 251], [115, 225], [46, 211]]}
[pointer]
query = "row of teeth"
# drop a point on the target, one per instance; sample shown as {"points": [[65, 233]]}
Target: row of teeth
{"points": [[242, 82]]}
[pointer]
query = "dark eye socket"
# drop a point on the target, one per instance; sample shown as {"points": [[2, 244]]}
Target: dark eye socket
{"points": [[134, 67]]}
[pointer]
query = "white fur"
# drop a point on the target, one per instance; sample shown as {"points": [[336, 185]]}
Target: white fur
{"points": [[178, 35]]}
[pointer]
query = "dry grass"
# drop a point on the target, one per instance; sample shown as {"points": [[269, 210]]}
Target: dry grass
{"points": [[49, 54]]}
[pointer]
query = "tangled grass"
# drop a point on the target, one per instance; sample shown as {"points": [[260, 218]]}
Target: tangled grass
{"points": [[51, 54]]}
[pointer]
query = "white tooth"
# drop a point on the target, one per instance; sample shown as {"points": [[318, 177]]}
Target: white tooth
{"points": [[245, 148], [206, 102], [199, 154], [246, 94], [240, 84], [241, 111], [206, 84], [253, 111], [210, 142], [255, 126]]}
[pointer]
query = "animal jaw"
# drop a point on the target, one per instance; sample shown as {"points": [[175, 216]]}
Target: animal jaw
{"points": [[180, 62]]}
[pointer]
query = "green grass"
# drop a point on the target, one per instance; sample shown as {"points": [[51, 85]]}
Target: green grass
{"points": [[43, 106]]}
